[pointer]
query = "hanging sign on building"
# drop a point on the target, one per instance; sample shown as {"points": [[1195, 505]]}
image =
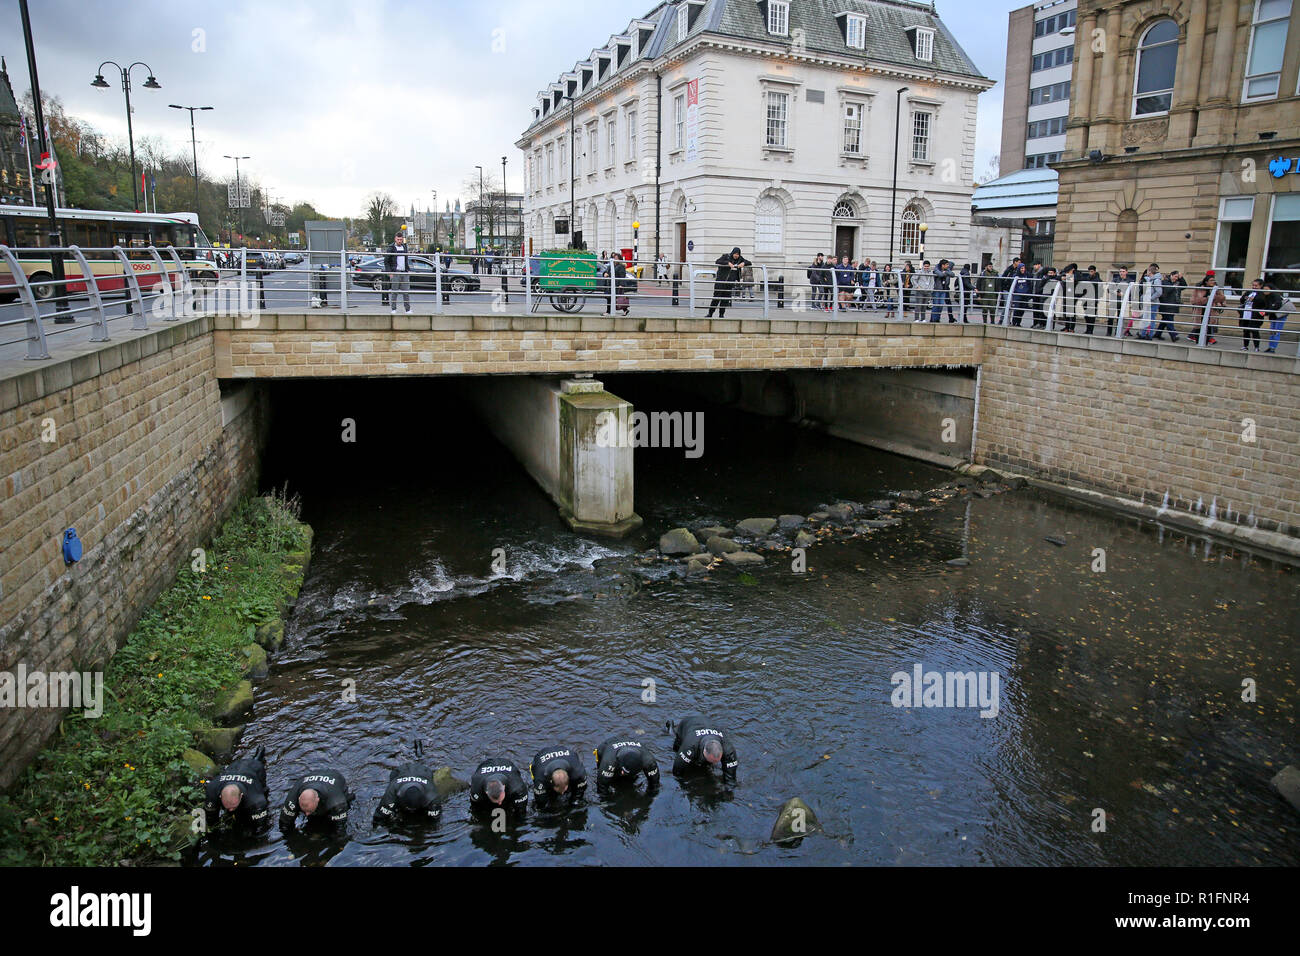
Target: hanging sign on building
{"points": [[692, 120]]}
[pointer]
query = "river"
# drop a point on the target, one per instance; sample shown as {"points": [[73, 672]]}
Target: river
{"points": [[1120, 691]]}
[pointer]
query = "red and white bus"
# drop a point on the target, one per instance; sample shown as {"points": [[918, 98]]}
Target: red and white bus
{"points": [[27, 228]]}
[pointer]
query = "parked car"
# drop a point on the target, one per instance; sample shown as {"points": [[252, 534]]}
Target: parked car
{"points": [[368, 272]]}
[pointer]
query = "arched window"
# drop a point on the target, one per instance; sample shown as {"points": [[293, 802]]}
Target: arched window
{"points": [[911, 231], [844, 210], [769, 224], [1126, 230], [1157, 61]]}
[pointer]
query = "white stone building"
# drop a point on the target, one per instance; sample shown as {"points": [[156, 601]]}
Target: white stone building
{"points": [[767, 124]]}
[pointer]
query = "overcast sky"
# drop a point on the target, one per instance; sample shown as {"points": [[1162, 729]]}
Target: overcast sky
{"points": [[333, 99]]}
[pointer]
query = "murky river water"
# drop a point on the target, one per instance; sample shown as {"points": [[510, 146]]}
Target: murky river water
{"points": [[1119, 690]]}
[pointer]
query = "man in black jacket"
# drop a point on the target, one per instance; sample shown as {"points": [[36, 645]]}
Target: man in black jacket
{"points": [[411, 793], [819, 280], [699, 745], [1171, 301], [397, 264], [724, 282], [558, 777], [496, 782], [240, 790], [620, 759], [322, 797]]}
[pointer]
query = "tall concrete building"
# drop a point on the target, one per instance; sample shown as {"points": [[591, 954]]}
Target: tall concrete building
{"points": [[1036, 93], [1183, 143], [769, 125]]}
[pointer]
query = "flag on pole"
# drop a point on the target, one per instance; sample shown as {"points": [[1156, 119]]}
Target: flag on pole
{"points": [[22, 132], [27, 145]]}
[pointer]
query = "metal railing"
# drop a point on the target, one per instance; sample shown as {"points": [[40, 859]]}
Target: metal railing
{"points": [[105, 288]]}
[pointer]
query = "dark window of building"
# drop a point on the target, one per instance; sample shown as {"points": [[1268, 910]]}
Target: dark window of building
{"points": [[1157, 62], [1045, 61], [1041, 160], [1049, 94], [1054, 24], [1282, 260], [1048, 127]]}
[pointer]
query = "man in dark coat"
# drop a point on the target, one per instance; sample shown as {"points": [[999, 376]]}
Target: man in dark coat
{"points": [[724, 283]]}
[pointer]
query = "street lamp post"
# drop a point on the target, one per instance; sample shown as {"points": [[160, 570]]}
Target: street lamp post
{"points": [[505, 231], [478, 215], [572, 221], [46, 149], [194, 145], [924, 229], [149, 84], [898, 112], [239, 194]]}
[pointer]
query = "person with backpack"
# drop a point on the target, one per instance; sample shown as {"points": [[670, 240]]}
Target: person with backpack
{"points": [[1209, 292]]}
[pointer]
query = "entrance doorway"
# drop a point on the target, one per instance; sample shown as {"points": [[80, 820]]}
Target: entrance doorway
{"points": [[846, 241], [681, 244]]}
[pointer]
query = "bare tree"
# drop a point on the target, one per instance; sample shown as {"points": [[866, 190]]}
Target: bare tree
{"points": [[380, 208], [487, 207]]}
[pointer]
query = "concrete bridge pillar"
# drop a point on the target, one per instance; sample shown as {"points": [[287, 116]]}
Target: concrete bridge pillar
{"points": [[554, 430]]}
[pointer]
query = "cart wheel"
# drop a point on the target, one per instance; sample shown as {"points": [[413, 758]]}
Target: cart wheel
{"points": [[566, 300]]}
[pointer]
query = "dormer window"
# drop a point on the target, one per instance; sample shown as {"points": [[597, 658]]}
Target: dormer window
{"points": [[855, 31], [922, 43], [682, 24], [778, 17]]}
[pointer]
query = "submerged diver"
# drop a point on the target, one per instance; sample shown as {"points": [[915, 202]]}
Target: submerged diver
{"points": [[700, 745], [618, 762], [411, 792]]}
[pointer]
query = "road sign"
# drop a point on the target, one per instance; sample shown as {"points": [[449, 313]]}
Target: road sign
{"points": [[243, 199]]}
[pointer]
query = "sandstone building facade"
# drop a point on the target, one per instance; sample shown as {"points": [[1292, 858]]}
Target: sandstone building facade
{"points": [[1183, 144]]}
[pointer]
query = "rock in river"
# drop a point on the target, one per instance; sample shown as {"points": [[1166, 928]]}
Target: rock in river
{"points": [[795, 821], [679, 541], [756, 526], [804, 540], [740, 558], [717, 545], [790, 521], [884, 504], [1287, 784], [841, 511]]}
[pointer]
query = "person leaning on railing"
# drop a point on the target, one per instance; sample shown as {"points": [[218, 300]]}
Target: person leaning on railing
{"points": [[1275, 305], [1209, 291], [987, 286], [1252, 313]]}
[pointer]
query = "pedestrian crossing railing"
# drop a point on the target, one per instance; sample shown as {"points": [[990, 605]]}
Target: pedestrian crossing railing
{"points": [[103, 290]]}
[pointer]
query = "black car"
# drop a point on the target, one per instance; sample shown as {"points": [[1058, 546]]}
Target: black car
{"points": [[292, 258], [369, 270]]}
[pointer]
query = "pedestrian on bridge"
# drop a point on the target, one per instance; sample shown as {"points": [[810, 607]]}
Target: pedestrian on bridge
{"points": [[730, 267], [397, 264]]}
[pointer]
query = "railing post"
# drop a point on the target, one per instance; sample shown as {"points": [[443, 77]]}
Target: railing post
{"points": [[613, 288], [835, 291], [690, 276], [898, 278], [36, 347], [437, 284], [132, 285], [187, 287], [100, 334], [1010, 294], [961, 298], [343, 280], [1205, 316], [1052, 305], [766, 305], [163, 278], [1122, 317]]}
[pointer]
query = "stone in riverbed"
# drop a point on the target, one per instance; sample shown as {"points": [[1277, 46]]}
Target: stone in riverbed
{"points": [[270, 634], [1052, 539], [841, 511], [756, 526], [990, 477], [787, 522], [708, 531], [200, 763], [910, 494], [740, 558], [883, 504], [702, 556], [218, 741], [817, 517], [795, 821], [1287, 784], [1014, 482], [959, 562], [447, 783], [804, 540], [882, 522], [696, 566], [233, 704], [254, 661], [679, 541], [717, 545]]}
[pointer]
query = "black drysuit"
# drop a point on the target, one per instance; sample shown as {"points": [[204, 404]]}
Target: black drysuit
{"points": [[620, 759], [249, 775], [411, 793], [688, 746], [334, 799], [498, 768]]}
